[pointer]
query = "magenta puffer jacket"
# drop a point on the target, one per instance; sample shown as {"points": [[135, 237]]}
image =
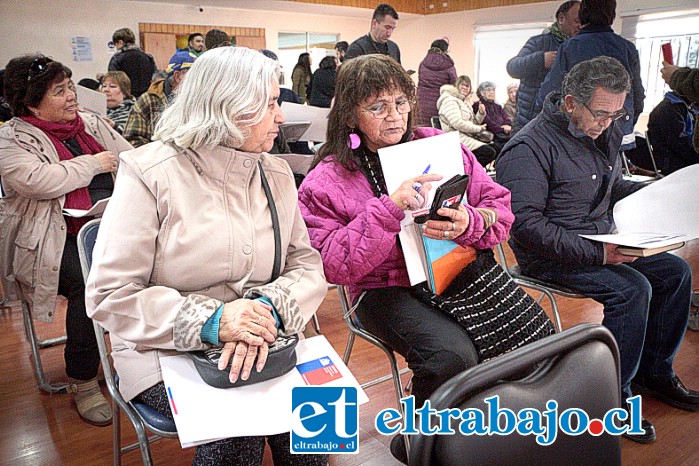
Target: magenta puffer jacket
{"points": [[357, 233]]}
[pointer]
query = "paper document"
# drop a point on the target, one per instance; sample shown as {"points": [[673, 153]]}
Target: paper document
{"points": [[97, 209], [317, 116], [91, 101], [404, 161], [203, 413], [662, 213]]}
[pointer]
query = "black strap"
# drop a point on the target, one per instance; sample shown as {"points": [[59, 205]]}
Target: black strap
{"points": [[275, 225]]}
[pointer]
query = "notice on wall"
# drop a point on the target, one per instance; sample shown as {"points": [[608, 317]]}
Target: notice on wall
{"points": [[82, 48]]}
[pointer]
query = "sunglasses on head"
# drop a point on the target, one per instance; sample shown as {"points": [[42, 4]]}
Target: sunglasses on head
{"points": [[38, 67]]}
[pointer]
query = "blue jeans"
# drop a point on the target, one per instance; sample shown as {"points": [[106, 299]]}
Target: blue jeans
{"points": [[646, 307]]}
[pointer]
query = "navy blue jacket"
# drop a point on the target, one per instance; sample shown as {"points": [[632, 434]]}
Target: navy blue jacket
{"points": [[594, 41], [528, 67], [562, 185], [670, 130]]}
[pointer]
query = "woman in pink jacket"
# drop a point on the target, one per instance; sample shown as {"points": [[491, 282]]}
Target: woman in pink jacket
{"points": [[354, 222]]}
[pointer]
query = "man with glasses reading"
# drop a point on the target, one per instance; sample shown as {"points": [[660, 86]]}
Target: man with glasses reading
{"points": [[564, 172]]}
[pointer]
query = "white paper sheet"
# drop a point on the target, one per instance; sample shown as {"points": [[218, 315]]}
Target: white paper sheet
{"points": [[97, 209], [203, 413], [91, 101], [667, 210], [304, 113], [404, 161]]}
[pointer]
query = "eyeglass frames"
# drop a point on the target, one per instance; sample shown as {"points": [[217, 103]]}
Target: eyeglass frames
{"points": [[381, 110], [601, 117]]}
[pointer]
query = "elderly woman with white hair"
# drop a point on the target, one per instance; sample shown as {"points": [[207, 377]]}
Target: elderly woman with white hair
{"points": [[186, 250]]}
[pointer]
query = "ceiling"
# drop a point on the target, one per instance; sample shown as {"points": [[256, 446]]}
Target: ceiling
{"points": [[349, 8]]}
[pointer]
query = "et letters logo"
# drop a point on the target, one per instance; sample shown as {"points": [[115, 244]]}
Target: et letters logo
{"points": [[324, 420]]}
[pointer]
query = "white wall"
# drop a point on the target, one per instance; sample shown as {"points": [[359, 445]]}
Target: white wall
{"points": [[46, 26]]}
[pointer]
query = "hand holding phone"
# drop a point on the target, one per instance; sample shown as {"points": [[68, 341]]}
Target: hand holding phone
{"points": [[448, 195]]}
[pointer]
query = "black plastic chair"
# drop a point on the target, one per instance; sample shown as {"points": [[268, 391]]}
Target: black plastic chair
{"points": [[578, 368], [143, 418], [434, 121]]}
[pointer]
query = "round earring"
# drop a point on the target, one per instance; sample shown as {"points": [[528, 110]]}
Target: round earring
{"points": [[36, 112], [353, 140]]}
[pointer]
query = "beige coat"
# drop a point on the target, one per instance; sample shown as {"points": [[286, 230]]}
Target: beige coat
{"points": [[456, 114], [32, 227], [185, 232]]}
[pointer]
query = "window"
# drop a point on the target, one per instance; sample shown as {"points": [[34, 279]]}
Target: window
{"points": [[292, 44], [495, 45], [650, 31]]}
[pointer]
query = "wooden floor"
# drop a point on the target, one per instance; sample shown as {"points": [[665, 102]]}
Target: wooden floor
{"points": [[41, 429]]}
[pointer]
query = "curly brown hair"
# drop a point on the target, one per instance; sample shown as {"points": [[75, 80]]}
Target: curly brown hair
{"points": [[359, 79]]}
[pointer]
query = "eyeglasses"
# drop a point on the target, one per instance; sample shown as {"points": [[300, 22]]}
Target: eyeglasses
{"points": [[38, 67], [381, 110], [601, 117]]}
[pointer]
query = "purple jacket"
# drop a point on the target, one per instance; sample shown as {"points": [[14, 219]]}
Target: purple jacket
{"points": [[357, 233], [435, 70], [495, 116]]}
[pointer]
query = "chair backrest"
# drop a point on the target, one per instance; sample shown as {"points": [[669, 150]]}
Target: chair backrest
{"points": [[434, 121], [578, 368], [87, 236]]}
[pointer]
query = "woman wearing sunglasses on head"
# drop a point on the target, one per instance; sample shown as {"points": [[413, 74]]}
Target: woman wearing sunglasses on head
{"points": [[53, 157]]}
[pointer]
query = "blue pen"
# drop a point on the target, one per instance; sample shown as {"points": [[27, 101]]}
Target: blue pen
{"points": [[418, 186]]}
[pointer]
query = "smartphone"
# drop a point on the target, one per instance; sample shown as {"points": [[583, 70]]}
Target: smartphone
{"points": [[667, 52], [449, 195]]}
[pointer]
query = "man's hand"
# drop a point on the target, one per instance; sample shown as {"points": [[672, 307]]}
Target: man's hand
{"points": [[549, 58], [667, 70], [614, 258]]}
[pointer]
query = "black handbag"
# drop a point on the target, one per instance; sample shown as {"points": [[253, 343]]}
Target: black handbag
{"points": [[484, 136], [496, 313], [282, 352]]}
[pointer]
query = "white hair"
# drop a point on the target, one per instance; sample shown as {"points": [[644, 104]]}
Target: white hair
{"points": [[226, 91]]}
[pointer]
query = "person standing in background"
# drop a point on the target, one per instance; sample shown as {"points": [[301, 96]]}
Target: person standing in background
{"points": [[534, 61], [301, 76], [383, 23], [436, 70], [138, 65], [195, 44]]}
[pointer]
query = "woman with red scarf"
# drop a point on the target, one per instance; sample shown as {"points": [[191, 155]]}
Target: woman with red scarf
{"points": [[53, 157]]}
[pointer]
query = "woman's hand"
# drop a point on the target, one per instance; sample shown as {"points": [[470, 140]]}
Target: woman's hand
{"points": [[448, 229], [108, 162], [507, 129], [243, 358], [483, 127], [248, 321], [667, 71], [481, 109], [412, 193]]}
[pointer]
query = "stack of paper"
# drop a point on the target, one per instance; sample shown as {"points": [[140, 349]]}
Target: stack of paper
{"points": [[203, 413], [663, 213], [405, 161]]}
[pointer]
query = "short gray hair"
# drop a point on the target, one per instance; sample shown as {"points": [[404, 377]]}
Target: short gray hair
{"points": [[605, 72], [226, 91]]}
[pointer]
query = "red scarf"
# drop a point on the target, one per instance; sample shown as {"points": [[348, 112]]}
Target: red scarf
{"points": [[57, 133]]}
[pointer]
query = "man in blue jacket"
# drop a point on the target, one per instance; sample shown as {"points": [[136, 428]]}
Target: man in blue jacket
{"points": [[564, 172], [533, 62], [597, 38]]}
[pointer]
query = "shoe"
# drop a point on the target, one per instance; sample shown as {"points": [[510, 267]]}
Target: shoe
{"points": [[671, 391], [398, 449], [695, 298], [92, 406], [648, 435]]}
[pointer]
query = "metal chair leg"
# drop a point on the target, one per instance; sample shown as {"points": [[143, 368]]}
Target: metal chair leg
{"points": [[316, 324], [348, 348], [36, 345]]}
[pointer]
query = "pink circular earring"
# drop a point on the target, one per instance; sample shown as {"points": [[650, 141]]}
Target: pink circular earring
{"points": [[353, 140]]}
